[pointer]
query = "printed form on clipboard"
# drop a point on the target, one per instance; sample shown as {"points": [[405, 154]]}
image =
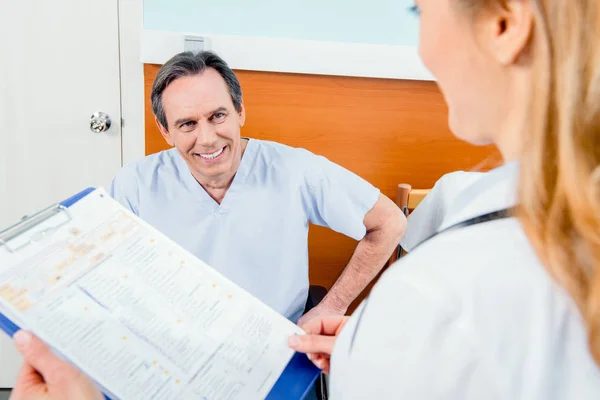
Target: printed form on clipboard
{"points": [[141, 316]]}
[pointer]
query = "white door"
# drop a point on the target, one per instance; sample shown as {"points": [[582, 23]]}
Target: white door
{"points": [[59, 64]]}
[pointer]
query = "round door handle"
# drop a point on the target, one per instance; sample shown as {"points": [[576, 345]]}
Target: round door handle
{"points": [[100, 122]]}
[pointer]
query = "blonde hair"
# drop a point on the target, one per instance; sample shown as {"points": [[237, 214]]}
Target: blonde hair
{"points": [[559, 188]]}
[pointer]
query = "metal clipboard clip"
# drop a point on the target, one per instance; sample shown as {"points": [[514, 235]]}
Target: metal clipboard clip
{"points": [[12, 233]]}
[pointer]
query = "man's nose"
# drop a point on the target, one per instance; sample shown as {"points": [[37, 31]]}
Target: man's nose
{"points": [[206, 135]]}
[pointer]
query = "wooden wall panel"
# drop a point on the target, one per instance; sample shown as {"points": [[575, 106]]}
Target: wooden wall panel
{"points": [[387, 131]]}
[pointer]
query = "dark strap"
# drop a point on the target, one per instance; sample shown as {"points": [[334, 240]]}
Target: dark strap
{"points": [[480, 219]]}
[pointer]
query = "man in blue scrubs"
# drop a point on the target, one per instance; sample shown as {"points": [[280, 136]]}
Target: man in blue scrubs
{"points": [[243, 205]]}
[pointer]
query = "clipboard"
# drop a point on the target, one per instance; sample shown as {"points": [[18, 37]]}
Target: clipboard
{"points": [[296, 381]]}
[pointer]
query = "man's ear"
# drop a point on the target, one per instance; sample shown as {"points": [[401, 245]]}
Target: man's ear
{"points": [[508, 30], [242, 115], [164, 132]]}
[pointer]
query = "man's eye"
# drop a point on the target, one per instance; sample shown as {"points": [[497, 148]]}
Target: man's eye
{"points": [[218, 117], [187, 126]]}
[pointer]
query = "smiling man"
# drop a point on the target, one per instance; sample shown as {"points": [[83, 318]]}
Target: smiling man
{"points": [[243, 205]]}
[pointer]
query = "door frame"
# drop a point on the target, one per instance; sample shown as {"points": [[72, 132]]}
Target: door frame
{"points": [[131, 75]]}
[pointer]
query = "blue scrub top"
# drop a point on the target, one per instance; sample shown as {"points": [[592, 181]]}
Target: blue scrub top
{"points": [[258, 235]]}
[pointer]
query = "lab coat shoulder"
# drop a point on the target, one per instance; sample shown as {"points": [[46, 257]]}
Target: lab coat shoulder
{"points": [[408, 343], [420, 319], [428, 216], [469, 314]]}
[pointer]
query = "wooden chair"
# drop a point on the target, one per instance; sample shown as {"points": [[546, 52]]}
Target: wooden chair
{"points": [[407, 200]]}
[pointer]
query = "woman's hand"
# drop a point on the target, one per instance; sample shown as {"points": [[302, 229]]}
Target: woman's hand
{"points": [[44, 376], [320, 338]]}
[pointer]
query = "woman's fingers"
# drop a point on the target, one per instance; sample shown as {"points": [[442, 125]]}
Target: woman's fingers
{"points": [[320, 339], [324, 325], [323, 365], [320, 360], [312, 343], [40, 358]]}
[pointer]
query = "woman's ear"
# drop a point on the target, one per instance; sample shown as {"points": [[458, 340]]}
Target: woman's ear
{"points": [[508, 30]]}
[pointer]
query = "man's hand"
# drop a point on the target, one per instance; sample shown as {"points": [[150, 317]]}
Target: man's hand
{"points": [[319, 341], [320, 310], [44, 376]]}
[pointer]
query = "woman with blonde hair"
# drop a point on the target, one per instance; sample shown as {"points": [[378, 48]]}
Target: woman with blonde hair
{"points": [[504, 301], [493, 306]]}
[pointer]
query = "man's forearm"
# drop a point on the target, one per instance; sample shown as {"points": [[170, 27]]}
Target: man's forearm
{"points": [[370, 256]]}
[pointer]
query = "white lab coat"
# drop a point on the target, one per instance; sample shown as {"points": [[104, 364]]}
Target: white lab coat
{"points": [[427, 218], [471, 314]]}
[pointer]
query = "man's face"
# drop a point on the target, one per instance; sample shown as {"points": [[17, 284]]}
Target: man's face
{"points": [[203, 124]]}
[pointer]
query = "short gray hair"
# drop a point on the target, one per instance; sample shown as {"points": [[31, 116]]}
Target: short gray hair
{"points": [[189, 64]]}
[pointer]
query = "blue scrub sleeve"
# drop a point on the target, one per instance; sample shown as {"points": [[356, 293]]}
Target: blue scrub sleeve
{"points": [[337, 198]]}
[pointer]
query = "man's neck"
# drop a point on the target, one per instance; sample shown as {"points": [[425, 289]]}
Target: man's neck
{"points": [[217, 188]]}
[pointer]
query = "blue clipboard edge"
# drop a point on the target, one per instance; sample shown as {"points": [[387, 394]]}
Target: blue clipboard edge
{"points": [[296, 381], [8, 326], [76, 197]]}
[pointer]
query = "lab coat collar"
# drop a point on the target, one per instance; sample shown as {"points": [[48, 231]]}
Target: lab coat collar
{"points": [[493, 191]]}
